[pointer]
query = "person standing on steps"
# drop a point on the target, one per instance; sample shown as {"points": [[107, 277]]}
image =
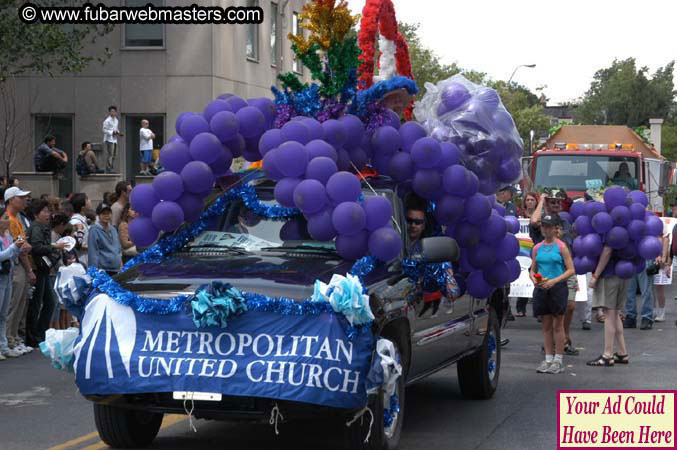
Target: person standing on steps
{"points": [[111, 132]]}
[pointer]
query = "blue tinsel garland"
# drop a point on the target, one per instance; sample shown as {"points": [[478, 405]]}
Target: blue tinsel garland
{"points": [[433, 277]]}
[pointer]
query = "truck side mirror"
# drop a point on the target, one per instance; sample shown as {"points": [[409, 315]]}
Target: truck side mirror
{"points": [[439, 249]]}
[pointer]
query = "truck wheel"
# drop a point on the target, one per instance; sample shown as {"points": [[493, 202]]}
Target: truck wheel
{"points": [[381, 438], [478, 373], [126, 428]]}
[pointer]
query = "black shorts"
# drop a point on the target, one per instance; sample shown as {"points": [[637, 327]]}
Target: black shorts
{"points": [[551, 301]]}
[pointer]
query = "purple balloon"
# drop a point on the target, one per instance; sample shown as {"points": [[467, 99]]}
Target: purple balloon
{"points": [[617, 238], [223, 162], [467, 234], [588, 264], [385, 243], [578, 246], [295, 131], [168, 185], [654, 226], [284, 191], [582, 225], [601, 222], [174, 156], [450, 155], [639, 197], [592, 208], [318, 147], [477, 208], [378, 210], [478, 286], [197, 177], [386, 141], [615, 196], [343, 187], [236, 103], [410, 132], [270, 165], [236, 145], [455, 179], [494, 229], [251, 156], [426, 153], [335, 132], [498, 274], [143, 199], [321, 169], [577, 208], [490, 98], [267, 107], [252, 121], [513, 224], [500, 210], [449, 209], [180, 119], [225, 96], [637, 211], [509, 170], [292, 159], [352, 247], [343, 159], [142, 232], [224, 125], [176, 138], [401, 166], [636, 230], [214, 107], [624, 269], [472, 186], [566, 216], [592, 245], [269, 140], [427, 183], [515, 269], [381, 164], [349, 218], [167, 216], [392, 119], [310, 196], [354, 130], [453, 96], [649, 247], [205, 147], [358, 157], [193, 125], [321, 227], [192, 205], [508, 248], [621, 216]]}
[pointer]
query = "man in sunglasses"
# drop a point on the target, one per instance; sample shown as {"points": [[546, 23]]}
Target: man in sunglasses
{"points": [[551, 200]]}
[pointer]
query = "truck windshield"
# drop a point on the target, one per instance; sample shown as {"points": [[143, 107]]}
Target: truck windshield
{"points": [[582, 172], [242, 229]]}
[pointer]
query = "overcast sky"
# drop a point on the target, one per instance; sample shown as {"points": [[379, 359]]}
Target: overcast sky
{"points": [[567, 40]]}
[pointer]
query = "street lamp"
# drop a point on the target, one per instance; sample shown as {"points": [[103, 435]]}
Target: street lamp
{"points": [[531, 66]]}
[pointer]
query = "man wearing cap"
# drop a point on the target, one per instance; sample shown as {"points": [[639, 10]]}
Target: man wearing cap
{"points": [[551, 201], [103, 247], [15, 201], [504, 197]]}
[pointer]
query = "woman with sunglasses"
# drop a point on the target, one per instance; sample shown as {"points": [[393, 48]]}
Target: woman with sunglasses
{"points": [[551, 266]]}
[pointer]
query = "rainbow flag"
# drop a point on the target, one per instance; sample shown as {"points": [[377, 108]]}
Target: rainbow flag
{"points": [[525, 247]]}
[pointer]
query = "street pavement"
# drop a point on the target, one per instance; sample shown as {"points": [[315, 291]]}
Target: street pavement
{"points": [[40, 407]]}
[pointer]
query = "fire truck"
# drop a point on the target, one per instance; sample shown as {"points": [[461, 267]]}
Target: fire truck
{"points": [[581, 167]]}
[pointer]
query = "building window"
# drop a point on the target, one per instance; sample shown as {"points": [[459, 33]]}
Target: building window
{"points": [[274, 41], [252, 35], [141, 34], [296, 30], [156, 123], [61, 127]]}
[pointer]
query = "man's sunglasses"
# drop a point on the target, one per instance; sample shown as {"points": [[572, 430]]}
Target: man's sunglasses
{"points": [[415, 221]]}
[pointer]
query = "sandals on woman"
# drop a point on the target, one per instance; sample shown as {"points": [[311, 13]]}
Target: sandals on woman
{"points": [[602, 361], [600, 318], [621, 359]]}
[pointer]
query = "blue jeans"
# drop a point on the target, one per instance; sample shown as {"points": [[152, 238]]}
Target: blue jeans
{"points": [[5, 300], [645, 284]]}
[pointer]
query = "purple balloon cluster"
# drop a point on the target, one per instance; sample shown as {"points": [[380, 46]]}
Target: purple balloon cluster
{"points": [[621, 222], [203, 150], [473, 119], [309, 160]]}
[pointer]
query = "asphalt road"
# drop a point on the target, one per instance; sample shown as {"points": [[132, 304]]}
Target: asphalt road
{"points": [[40, 407]]}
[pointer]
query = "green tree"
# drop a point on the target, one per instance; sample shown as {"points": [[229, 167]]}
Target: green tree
{"points": [[624, 94], [669, 141], [44, 48]]}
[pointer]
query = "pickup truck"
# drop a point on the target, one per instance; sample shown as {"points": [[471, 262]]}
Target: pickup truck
{"points": [[274, 257]]}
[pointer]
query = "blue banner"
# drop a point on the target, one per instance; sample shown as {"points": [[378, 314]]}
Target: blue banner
{"points": [[301, 358]]}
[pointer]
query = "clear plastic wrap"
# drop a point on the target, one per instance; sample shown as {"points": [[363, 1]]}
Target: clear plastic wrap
{"points": [[473, 118]]}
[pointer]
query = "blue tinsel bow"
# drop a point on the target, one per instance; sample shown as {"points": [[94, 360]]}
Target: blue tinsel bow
{"points": [[214, 303]]}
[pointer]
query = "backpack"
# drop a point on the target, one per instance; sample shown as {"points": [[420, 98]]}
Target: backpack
{"points": [[81, 166]]}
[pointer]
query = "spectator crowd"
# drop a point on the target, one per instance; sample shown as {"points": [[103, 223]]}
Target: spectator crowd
{"points": [[38, 235]]}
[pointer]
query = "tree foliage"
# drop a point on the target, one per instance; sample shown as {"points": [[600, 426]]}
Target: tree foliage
{"points": [[624, 94], [44, 48]]}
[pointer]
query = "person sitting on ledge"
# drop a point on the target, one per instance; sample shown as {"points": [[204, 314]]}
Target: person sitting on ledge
{"points": [[87, 163], [48, 158]]}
